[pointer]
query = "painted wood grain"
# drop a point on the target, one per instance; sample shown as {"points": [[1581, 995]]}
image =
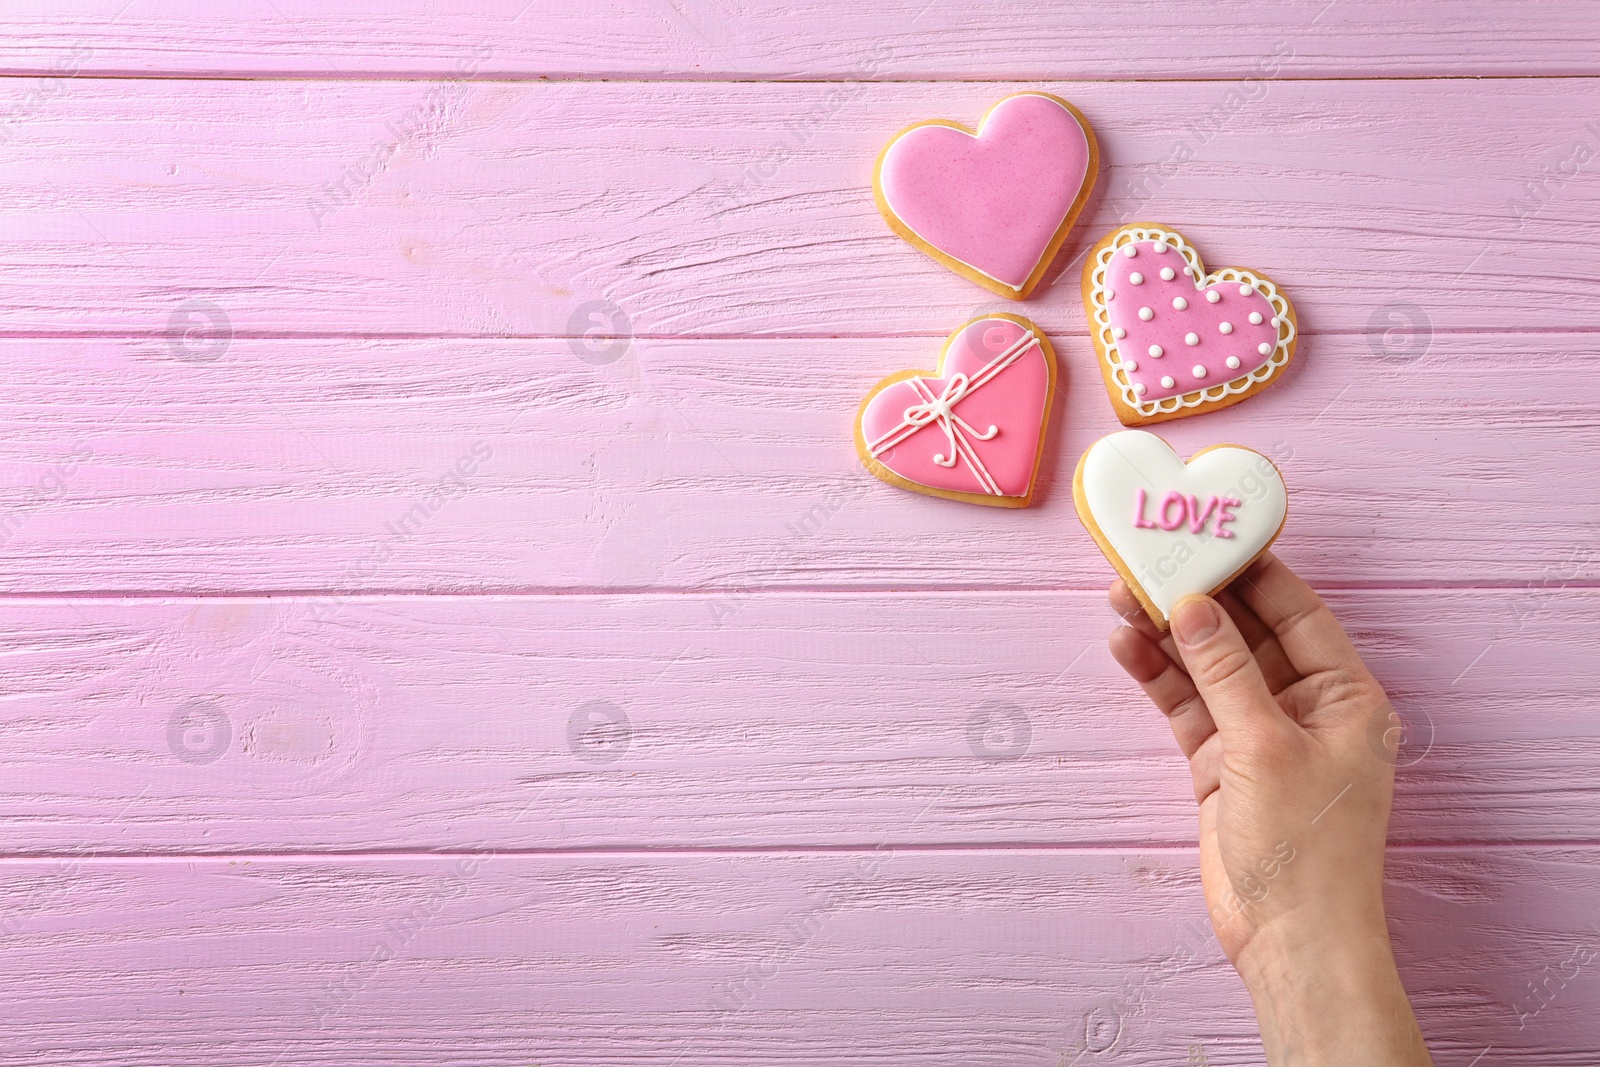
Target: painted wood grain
{"points": [[855, 958], [802, 720], [814, 39], [734, 209], [348, 466]]}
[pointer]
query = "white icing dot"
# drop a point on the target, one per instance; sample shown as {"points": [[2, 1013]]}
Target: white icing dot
{"points": [[1138, 387], [1166, 274], [1199, 371], [1136, 278], [1161, 246], [1111, 294], [1180, 303], [1264, 348], [1129, 251], [1225, 327], [1146, 314], [1275, 320], [1155, 351], [1245, 290], [1255, 318], [1233, 362], [1167, 382], [1130, 365], [1212, 296], [1118, 332], [1191, 339]]}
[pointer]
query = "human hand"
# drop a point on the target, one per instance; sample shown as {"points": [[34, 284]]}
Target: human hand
{"points": [[1275, 711]]}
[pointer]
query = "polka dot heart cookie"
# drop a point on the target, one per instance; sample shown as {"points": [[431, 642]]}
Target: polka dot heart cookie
{"points": [[1174, 340]]}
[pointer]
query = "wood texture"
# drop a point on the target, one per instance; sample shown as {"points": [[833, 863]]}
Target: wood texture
{"points": [[853, 958], [817, 720], [943, 39], [495, 209], [330, 465]]}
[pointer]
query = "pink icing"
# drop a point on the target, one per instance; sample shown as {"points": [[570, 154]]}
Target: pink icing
{"points": [[1225, 514], [996, 200], [1012, 401], [1139, 521], [1168, 327], [1198, 515], [1168, 520]]}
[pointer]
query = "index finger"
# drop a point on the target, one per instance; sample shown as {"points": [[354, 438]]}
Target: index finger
{"points": [[1311, 637]]}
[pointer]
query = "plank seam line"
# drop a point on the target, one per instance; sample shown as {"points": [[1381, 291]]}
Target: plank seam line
{"points": [[648, 851], [728, 78], [712, 591]]}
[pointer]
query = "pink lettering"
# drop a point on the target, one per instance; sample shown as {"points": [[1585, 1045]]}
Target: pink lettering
{"points": [[1197, 518], [1167, 521], [1139, 521], [1225, 514]]}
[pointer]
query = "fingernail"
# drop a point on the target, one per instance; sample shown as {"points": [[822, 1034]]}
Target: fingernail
{"points": [[1194, 620]]}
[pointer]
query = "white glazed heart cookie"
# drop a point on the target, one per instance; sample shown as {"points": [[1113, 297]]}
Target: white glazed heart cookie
{"points": [[1171, 528]]}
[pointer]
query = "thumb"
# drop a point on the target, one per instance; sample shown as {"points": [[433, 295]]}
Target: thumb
{"points": [[1224, 669]]}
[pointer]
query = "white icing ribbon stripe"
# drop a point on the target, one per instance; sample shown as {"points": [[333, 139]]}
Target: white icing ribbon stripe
{"points": [[941, 410]]}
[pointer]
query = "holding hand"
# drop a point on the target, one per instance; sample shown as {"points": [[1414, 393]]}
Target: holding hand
{"points": [[1274, 709]]}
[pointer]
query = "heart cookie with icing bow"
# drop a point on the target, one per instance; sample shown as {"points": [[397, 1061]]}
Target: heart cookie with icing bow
{"points": [[994, 205], [973, 430], [1172, 528], [1174, 340]]}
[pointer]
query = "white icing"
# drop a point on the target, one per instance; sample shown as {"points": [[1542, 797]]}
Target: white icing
{"points": [[1146, 314], [1275, 320], [1118, 332], [1129, 251], [1191, 339], [1169, 565], [1160, 247], [1225, 327], [1264, 348], [1167, 381], [1255, 318], [1155, 351], [1166, 274], [1199, 371], [1245, 290], [1180, 304], [1130, 365], [1139, 387], [1233, 362], [1136, 278], [1212, 296], [1111, 294]]}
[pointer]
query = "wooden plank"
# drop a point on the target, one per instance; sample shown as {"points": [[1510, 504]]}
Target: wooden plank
{"points": [[811, 39], [803, 720], [335, 466], [505, 209], [984, 957]]}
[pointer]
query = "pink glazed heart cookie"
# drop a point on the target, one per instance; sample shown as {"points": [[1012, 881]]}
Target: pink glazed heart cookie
{"points": [[974, 429], [1174, 340], [994, 206], [1173, 528]]}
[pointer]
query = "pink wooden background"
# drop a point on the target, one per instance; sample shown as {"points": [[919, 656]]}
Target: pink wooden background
{"points": [[393, 675]]}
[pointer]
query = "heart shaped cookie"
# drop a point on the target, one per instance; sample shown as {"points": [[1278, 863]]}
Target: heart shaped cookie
{"points": [[1174, 340], [974, 429], [1172, 528], [994, 206]]}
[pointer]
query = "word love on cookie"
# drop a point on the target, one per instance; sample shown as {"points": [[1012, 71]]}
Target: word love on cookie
{"points": [[1174, 340], [1172, 528], [993, 205], [974, 429]]}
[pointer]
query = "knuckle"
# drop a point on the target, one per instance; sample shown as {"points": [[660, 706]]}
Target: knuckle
{"points": [[1228, 666]]}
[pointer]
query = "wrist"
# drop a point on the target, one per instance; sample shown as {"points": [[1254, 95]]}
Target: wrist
{"points": [[1331, 996]]}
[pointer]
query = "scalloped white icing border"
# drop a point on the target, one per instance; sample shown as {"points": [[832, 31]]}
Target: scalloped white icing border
{"points": [[1101, 318]]}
